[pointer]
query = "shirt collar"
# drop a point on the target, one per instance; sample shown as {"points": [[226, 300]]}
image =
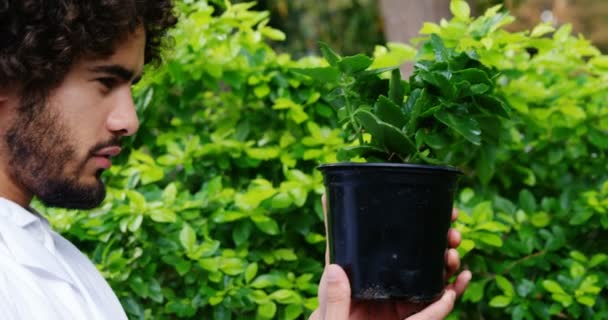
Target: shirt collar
{"points": [[17, 214], [23, 245]]}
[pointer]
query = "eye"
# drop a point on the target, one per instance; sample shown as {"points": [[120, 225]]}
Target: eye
{"points": [[108, 82]]}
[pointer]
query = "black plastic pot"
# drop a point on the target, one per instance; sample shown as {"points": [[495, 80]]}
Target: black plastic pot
{"points": [[387, 227]]}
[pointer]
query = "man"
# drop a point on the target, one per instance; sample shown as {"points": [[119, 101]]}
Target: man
{"points": [[66, 70]]}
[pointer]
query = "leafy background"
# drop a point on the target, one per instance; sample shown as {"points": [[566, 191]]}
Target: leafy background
{"points": [[215, 212]]}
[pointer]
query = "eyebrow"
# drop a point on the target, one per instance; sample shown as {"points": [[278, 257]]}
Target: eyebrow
{"points": [[117, 71]]}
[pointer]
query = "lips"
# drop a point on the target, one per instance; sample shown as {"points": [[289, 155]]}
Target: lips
{"points": [[103, 156], [108, 152]]}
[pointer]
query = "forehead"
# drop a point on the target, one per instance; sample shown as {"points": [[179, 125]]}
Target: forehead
{"points": [[128, 53]]}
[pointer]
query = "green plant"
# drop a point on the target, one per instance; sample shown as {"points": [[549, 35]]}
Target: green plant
{"points": [[444, 114], [534, 235]]}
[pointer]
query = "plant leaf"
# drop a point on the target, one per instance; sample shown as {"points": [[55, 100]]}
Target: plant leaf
{"points": [[389, 112], [467, 127], [441, 53], [330, 55], [396, 89], [371, 125], [324, 74], [354, 64]]}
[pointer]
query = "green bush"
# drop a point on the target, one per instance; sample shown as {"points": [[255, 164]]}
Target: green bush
{"points": [[536, 233], [215, 213]]}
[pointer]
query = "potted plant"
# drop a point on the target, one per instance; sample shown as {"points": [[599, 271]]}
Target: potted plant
{"points": [[388, 218]]}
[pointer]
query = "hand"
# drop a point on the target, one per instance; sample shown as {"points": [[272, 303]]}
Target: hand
{"points": [[335, 301]]}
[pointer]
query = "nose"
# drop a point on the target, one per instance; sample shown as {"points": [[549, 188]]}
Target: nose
{"points": [[123, 121]]}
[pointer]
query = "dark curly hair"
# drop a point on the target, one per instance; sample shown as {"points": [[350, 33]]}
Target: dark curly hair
{"points": [[41, 39]]}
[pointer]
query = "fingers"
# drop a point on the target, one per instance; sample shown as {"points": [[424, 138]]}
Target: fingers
{"points": [[461, 283], [454, 214], [452, 261], [334, 295], [439, 309], [454, 238]]}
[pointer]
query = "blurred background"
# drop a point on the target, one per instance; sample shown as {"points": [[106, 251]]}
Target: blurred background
{"points": [[353, 26]]}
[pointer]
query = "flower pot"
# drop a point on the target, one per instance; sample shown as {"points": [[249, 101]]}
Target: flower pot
{"points": [[387, 227]]}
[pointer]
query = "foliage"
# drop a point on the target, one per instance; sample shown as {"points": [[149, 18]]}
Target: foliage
{"points": [[448, 101], [351, 25], [534, 236], [215, 212]]}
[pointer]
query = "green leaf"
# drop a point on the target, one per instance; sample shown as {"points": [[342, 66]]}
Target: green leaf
{"points": [[553, 287], [466, 126], [396, 141], [267, 310], [505, 285], [483, 212], [251, 272], [540, 219], [163, 215], [273, 34], [330, 55], [490, 239], [371, 124], [441, 53], [435, 140], [187, 238], [473, 76], [266, 224], [480, 88], [241, 233], [492, 106], [588, 301], [486, 164], [541, 29], [396, 91], [264, 281], [389, 112], [285, 296], [465, 247], [281, 200], [492, 226], [323, 75], [500, 301], [285, 254], [527, 201], [135, 223], [460, 9], [564, 299], [354, 64], [169, 194], [597, 260], [474, 292], [232, 266], [293, 311]]}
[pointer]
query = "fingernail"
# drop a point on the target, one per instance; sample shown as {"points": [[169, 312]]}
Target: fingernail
{"points": [[332, 274]]}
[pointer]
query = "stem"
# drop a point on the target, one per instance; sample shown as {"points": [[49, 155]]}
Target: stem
{"points": [[351, 112], [524, 259]]}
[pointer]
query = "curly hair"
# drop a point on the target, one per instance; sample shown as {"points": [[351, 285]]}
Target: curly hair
{"points": [[41, 39]]}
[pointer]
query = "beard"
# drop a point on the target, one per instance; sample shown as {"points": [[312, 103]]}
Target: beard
{"points": [[44, 161]]}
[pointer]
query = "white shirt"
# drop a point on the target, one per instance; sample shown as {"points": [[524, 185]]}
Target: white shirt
{"points": [[44, 277]]}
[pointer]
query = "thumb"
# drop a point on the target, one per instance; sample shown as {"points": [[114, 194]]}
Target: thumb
{"points": [[439, 309], [334, 294]]}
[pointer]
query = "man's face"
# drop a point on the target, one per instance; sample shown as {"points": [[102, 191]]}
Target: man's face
{"points": [[58, 148]]}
